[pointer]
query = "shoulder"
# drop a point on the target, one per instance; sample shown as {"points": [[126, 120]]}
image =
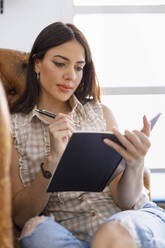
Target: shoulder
{"points": [[93, 107], [109, 117], [19, 121], [104, 113]]}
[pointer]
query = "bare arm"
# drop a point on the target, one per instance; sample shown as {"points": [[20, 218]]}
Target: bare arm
{"points": [[110, 123], [30, 201], [127, 186]]}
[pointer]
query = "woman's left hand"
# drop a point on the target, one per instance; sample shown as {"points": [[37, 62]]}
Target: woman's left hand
{"points": [[136, 144]]}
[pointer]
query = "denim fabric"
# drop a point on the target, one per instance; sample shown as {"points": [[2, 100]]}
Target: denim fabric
{"points": [[147, 225], [50, 234]]}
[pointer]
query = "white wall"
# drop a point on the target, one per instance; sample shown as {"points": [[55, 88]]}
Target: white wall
{"points": [[22, 20]]}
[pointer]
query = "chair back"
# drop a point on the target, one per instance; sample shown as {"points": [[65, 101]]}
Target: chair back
{"points": [[13, 68]]}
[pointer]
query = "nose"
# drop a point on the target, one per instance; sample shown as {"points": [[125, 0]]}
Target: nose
{"points": [[70, 74]]}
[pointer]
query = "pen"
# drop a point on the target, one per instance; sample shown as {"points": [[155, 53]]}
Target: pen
{"points": [[44, 112], [51, 115]]}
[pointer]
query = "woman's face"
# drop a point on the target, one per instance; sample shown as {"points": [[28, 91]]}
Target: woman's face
{"points": [[61, 71]]}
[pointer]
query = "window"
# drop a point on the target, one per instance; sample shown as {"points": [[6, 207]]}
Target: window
{"points": [[128, 49], [127, 39]]}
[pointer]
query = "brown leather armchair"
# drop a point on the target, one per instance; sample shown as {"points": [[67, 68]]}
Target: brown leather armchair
{"points": [[12, 76], [5, 187], [13, 66]]}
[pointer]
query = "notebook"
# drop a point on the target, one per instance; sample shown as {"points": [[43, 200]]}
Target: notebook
{"points": [[87, 163]]}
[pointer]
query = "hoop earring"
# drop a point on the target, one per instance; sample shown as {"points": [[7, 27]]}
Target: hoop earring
{"points": [[38, 76]]}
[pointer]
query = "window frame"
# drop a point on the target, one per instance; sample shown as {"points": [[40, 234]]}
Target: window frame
{"points": [[118, 9]]}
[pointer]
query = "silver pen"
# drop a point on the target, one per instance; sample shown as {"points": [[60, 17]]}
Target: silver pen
{"points": [[51, 115]]}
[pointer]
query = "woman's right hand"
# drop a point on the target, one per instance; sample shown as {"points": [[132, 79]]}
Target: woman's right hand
{"points": [[60, 130]]}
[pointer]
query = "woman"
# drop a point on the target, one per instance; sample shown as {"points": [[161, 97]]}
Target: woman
{"points": [[61, 79]]}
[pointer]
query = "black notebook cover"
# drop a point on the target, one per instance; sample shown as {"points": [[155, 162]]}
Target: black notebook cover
{"points": [[87, 163]]}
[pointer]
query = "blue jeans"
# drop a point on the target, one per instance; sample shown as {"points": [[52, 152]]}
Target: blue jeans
{"points": [[50, 234], [147, 227]]}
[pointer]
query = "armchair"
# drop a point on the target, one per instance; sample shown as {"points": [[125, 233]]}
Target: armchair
{"points": [[5, 190], [13, 66]]}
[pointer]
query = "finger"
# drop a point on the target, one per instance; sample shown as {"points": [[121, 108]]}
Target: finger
{"points": [[66, 123], [133, 146], [140, 143], [64, 134], [133, 143], [67, 134], [146, 126], [132, 138], [127, 140], [138, 140], [59, 129], [61, 116], [145, 142], [70, 120], [122, 151], [62, 123]]}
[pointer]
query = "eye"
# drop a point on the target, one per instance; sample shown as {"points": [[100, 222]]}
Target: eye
{"points": [[12, 92], [59, 64], [79, 68]]}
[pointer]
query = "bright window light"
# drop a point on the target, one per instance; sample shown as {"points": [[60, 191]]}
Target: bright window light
{"points": [[157, 186], [128, 49], [129, 111]]}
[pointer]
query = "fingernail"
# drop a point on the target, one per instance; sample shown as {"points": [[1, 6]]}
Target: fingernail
{"points": [[106, 141], [114, 129]]}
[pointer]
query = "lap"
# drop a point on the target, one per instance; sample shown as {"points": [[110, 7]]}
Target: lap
{"points": [[50, 234], [146, 225]]}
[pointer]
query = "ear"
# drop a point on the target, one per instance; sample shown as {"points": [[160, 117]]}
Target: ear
{"points": [[37, 65]]}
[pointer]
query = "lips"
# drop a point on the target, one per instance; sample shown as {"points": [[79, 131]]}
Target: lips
{"points": [[64, 88]]}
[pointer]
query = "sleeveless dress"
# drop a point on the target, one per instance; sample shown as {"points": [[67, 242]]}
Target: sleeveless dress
{"points": [[80, 212]]}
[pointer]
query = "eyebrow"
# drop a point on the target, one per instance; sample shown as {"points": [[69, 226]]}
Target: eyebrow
{"points": [[65, 58]]}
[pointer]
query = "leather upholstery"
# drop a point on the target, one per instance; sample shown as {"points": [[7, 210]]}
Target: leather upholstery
{"points": [[13, 67], [5, 187]]}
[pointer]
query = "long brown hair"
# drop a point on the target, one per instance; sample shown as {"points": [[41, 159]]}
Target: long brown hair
{"points": [[53, 35]]}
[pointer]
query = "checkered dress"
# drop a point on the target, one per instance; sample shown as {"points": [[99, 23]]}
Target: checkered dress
{"points": [[80, 212]]}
